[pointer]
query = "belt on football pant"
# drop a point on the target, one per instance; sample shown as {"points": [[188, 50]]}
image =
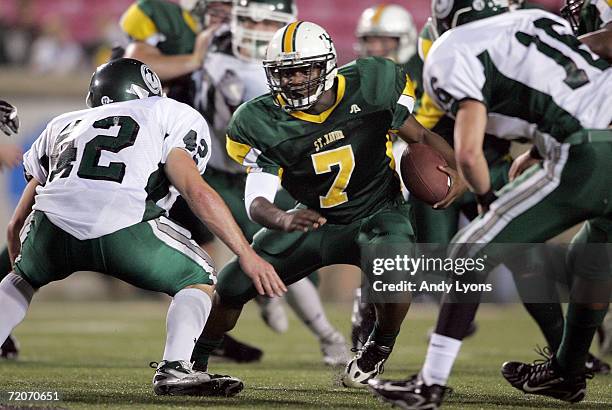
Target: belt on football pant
{"points": [[588, 136]]}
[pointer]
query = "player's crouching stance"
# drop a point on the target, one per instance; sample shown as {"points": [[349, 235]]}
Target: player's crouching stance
{"points": [[100, 182]]}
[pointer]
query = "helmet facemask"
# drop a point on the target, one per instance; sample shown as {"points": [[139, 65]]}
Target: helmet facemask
{"points": [[319, 73], [250, 38], [571, 12]]}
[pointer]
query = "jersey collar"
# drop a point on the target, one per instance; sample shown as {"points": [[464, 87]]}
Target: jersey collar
{"points": [[320, 118]]}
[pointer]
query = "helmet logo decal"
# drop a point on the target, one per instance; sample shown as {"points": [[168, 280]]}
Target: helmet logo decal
{"points": [[106, 100], [442, 8], [151, 79], [326, 37], [138, 91]]}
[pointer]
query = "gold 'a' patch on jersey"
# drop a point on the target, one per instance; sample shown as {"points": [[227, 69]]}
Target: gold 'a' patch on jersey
{"points": [[326, 139]]}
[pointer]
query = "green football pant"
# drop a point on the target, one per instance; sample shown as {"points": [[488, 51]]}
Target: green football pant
{"points": [[294, 255], [156, 255], [570, 187]]}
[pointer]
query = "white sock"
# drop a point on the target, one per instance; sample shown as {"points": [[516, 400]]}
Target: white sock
{"points": [[15, 296], [441, 355], [185, 321], [303, 298]]}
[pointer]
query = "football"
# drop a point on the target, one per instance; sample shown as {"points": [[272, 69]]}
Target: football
{"points": [[420, 173]]}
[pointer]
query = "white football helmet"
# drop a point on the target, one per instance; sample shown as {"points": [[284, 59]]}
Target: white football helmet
{"points": [[200, 10], [388, 20], [249, 43], [300, 45]]}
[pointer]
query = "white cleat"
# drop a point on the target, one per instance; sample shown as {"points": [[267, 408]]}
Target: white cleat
{"points": [[334, 349], [366, 365], [273, 313]]}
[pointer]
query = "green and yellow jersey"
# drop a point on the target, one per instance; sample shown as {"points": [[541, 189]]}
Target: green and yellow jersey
{"points": [[162, 24], [339, 162]]}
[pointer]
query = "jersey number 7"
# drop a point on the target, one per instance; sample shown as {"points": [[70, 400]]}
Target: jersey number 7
{"points": [[342, 157]]}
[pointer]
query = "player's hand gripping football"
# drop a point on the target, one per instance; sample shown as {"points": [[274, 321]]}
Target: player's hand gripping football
{"points": [[520, 164], [264, 277], [457, 188], [301, 220]]}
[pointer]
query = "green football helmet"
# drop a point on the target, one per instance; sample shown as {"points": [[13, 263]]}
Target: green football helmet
{"points": [[447, 14], [122, 80]]}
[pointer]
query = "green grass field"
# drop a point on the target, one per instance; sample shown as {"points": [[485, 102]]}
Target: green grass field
{"points": [[96, 355]]}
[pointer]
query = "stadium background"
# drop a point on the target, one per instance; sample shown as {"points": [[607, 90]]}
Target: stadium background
{"points": [[48, 50]]}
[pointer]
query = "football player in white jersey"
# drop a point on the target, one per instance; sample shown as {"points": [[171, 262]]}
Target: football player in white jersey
{"points": [[521, 75], [105, 177], [232, 75]]}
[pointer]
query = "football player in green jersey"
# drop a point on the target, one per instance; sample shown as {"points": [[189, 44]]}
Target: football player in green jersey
{"points": [[591, 21], [567, 118], [173, 39], [231, 75], [10, 156], [323, 132]]}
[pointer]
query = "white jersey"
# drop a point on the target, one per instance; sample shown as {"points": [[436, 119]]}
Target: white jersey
{"points": [[224, 83], [535, 78], [101, 169]]}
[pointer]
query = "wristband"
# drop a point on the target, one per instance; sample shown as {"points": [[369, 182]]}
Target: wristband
{"points": [[487, 198]]}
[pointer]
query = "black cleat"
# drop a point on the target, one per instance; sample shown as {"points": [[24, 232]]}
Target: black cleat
{"points": [[410, 394], [10, 348], [178, 378], [544, 377], [236, 351]]}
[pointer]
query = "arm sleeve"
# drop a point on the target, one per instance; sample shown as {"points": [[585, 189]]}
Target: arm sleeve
{"points": [[452, 78], [36, 159], [259, 184], [187, 130]]}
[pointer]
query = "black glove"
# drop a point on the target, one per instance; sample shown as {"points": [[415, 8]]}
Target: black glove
{"points": [[9, 122]]}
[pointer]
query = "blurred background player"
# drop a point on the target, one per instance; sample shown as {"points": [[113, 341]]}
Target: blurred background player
{"points": [[232, 74], [10, 156], [152, 143]]}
